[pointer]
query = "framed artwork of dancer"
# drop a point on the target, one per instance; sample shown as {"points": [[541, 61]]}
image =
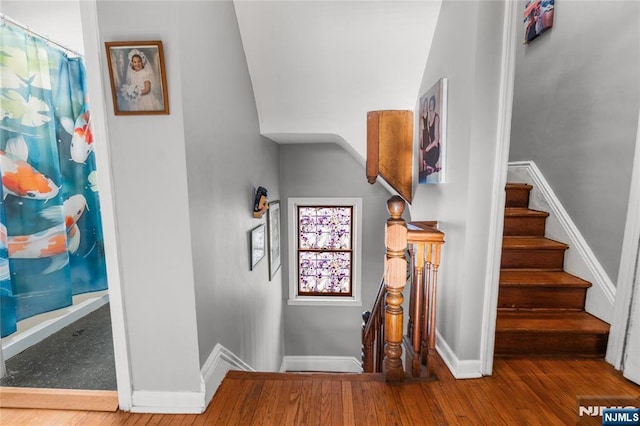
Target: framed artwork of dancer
{"points": [[138, 79], [432, 134]]}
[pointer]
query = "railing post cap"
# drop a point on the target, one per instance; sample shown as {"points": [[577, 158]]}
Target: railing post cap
{"points": [[395, 206]]}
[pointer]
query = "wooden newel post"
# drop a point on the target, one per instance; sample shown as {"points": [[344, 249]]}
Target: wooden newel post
{"points": [[395, 277]]}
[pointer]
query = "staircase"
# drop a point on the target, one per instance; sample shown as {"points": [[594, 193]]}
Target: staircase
{"points": [[540, 306]]}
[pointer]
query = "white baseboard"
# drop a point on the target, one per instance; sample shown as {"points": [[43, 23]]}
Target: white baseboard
{"points": [[168, 402], [465, 369], [14, 344], [219, 362], [579, 258], [331, 364]]}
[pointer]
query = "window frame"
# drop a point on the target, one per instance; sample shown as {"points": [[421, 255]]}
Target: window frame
{"points": [[356, 249]]}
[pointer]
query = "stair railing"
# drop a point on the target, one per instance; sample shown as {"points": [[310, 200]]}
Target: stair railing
{"points": [[382, 328], [425, 244], [373, 334]]}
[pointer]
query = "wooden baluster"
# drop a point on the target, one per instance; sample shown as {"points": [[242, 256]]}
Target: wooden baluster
{"points": [[395, 275], [427, 301], [367, 343], [380, 340], [412, 292], [432, 310], [417, 307]]}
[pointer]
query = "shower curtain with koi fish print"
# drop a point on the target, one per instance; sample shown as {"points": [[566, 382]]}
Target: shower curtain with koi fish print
{"points": [[51, 241]]}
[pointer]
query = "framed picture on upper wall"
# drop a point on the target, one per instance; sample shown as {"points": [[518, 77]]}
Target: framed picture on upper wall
{"points": [[538, 17], [273, 220], [432, 134], [138, 79]]}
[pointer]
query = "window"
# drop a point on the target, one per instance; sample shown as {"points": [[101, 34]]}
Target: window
{"points": [[324, 241]]}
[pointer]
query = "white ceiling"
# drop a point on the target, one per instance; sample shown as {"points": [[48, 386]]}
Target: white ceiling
{"points": [[318, 67]]}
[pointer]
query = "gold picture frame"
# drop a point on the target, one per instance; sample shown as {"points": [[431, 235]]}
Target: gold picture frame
{"points": [[138, 77]]}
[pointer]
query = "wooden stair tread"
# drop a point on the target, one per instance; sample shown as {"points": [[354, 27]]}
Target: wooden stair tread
{"points": [[540, 306], [523, 211], [550, 322], [539, 278], [518, 185], [532, 242]]}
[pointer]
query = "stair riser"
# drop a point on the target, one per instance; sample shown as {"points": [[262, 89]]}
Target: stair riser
{"points": [[517, 197], [532, 258], [524, 226], [541, 298], [558, 344]]}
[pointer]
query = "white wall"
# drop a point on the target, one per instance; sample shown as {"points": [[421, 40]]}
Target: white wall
{"points": [[466, 50], [58, 21], [318, 67], [575, 113], [327, 170]]}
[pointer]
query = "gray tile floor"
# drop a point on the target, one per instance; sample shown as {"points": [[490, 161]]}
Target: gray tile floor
{"points": [[80, 356]]}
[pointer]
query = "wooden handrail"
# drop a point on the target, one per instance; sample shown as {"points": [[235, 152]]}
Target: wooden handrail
{"points": [[373, 334], [385, 321]]}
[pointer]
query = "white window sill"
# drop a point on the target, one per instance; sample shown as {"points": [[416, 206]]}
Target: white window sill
{"points": [[324, 301]]}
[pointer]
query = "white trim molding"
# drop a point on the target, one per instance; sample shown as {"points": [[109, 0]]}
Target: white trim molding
{"points": [[356, 260], [494, 245], [461, 369], [628, 271], [219, 362], [94, 59], [329, 364], [168, 402], [579, 258]]}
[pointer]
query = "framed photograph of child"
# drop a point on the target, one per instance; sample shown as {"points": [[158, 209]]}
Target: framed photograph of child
{"points": [[138, 78]]}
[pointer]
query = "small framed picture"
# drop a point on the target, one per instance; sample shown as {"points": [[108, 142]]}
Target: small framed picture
{"points": [[258, 245], [273, 220], [138, 79], [538, 18]]}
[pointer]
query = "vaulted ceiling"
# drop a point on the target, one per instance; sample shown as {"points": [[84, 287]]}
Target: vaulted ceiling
{"points": [[318, 67]]}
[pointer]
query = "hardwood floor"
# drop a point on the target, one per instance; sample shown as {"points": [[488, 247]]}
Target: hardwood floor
{"points": [[520, 392]]}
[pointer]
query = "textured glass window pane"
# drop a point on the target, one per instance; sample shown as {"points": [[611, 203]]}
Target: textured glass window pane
{"points": [[331, 227], [325, 272], [324, 250]]}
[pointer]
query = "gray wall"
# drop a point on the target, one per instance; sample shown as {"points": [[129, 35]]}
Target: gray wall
{"points": [[575, 113], [152, 214], [227, 160], [327, 170], [183, 186], [466, 50]]}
